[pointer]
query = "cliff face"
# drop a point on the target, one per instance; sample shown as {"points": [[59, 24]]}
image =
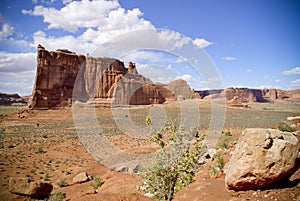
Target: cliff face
{"points": [[63, 76], [55, 77]]}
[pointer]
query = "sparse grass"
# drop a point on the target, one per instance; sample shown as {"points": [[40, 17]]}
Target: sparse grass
{"points": [[267, 108]]}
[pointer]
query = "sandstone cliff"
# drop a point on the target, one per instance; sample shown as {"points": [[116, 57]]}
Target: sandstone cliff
{"points": [[63, 76]]}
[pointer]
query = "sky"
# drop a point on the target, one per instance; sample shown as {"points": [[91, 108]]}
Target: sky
{"points": [[209, 43]]}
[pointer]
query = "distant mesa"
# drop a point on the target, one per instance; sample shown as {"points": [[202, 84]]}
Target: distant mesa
{"points": [[239, 97], [97, 78], [13, 99]]}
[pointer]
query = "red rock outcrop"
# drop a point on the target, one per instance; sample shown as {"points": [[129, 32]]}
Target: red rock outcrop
{"points": [[246, 95], [55, 77], [181, 89], [63, 76]]}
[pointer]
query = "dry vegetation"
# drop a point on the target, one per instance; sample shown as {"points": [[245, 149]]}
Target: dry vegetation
{"points": [[43, 145]]}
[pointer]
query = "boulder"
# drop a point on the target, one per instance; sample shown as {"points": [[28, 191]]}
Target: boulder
{"points": [[261, 157], [23, 186], [122, 169], [81, 178]]}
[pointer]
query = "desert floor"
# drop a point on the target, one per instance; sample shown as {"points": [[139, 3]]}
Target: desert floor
{"points": [[44, 145]]}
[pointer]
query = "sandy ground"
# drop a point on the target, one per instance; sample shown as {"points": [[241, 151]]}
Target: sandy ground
{"points": [[43, 145]]}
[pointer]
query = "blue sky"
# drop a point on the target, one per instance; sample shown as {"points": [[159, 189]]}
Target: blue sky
{"points": [[253, 43]]}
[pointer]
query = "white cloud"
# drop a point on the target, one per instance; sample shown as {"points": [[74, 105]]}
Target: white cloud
{"points": [[103, 15], [17, 72], [229, 58], [293, 71], [156, 73], [17, 62], [296, 83], [66, 1], [201, 43], [21, 82], [186, 77], [248, 70], [277, 80], [173, 39], [6, 31]]}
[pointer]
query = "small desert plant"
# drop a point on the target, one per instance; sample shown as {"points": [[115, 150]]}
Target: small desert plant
{"points": [[39, 150], [57, 196], [218, 165], [225, 141], [286, 126], [97, 182], [61, 183], [175, 164]]}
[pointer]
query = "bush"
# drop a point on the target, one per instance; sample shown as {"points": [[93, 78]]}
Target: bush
{"points": [[175, 163], [97, 182]]}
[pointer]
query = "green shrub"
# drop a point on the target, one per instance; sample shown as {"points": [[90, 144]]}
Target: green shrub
{"points": [[97, 182], [172, 168], [218, 165], [225, 141], [39, 150], [286, 126], [57, 196], [61, 183]]}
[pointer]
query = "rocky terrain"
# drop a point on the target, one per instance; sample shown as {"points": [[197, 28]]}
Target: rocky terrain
{"points": [[40, 149]]}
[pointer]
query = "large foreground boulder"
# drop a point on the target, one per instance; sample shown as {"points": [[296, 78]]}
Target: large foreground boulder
{"points": [[23, 186], [261, 157]]}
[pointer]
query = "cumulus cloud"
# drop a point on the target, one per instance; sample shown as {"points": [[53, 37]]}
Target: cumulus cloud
{"points": [[101, 14], [293, 71], [6, 31], [201, 43], [98, 22], [229, 58]]}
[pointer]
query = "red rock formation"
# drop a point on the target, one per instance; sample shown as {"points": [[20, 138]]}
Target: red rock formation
{"points": [[55, 77], [63, 76], [181, 89], [246, 95]]}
